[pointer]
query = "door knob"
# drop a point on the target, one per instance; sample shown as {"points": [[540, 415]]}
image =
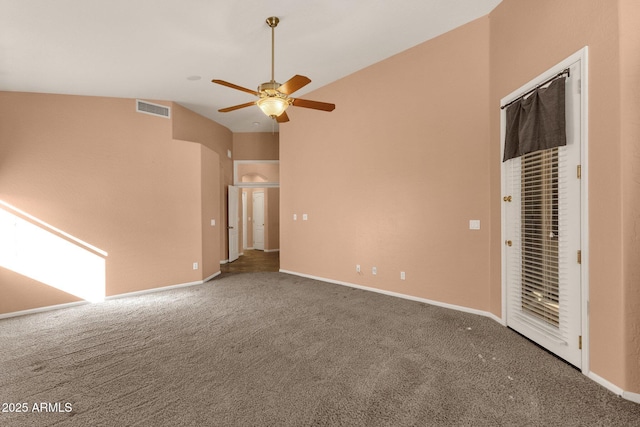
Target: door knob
{"points": [[508, 242]]}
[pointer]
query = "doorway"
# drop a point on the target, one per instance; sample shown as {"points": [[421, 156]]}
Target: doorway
{"points": [[544, 230], [258, 220], [259, 216], [254, 255], [244, 221]]}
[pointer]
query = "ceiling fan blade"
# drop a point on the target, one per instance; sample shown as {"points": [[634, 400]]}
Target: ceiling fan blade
{"points": [[293, 84], [236, 107], [282, 118], [324, 106], [232, 86]]}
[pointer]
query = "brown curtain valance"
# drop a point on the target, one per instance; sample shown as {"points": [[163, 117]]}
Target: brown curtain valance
{"points": [[537, 122]]}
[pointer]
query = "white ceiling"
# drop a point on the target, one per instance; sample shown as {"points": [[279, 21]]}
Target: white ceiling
{"points": [[148, 49]]}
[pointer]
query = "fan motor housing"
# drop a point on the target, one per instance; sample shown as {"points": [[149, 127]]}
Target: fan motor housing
{"points": [[270, 88]]}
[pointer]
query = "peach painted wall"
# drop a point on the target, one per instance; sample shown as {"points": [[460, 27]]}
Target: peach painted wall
{"points": [[256, 146], [528, 38], [393, 183], [190, 126], [630, 132], [211, 210], [272, 218], [114, 178]]}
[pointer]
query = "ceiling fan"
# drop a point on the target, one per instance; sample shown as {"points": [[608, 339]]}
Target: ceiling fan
{"points": [[274, 97]]}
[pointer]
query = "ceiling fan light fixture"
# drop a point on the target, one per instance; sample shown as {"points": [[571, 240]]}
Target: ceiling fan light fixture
{"points": [[273, 106], [274, 97]]}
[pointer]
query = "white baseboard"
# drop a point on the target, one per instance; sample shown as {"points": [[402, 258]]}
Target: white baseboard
{"points": [[399, 295], [272, 250], [161, 289], [606, 384], [42, 309], [634, 397], [496, 318], [128, 294], [206, 279]]}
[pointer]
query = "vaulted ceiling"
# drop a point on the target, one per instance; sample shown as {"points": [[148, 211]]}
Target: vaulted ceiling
{"points": [[172, 49]]}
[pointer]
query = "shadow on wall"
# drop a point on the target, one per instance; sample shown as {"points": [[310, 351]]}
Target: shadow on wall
{"points": [[37, 250]]}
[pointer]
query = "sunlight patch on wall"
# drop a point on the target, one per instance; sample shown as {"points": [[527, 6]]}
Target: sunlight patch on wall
{"points": [[44, 253]]}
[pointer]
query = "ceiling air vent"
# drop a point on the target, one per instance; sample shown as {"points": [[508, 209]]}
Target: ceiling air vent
{"points": [[153, 109]]}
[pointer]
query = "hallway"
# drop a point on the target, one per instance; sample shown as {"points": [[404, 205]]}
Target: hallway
{"points": [[252, 261]]}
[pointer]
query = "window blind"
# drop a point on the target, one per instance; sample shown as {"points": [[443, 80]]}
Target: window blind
{"points": [[538, 278]]}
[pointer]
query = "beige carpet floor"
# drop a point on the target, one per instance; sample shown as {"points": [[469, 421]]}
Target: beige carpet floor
{"points": [[270, 349]]}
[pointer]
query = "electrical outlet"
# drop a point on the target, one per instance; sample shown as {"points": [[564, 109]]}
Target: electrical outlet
{"points": [[358, 268], [195, 265], [374, 271], [295, 217], [402, 275]]}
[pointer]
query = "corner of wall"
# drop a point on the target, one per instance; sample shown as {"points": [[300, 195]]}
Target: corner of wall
{"points": [[629, 16]]}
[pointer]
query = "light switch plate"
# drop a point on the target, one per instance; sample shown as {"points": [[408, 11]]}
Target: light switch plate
{"points": [[305, 217], [213, 222], [474, 224], [295, 217]]}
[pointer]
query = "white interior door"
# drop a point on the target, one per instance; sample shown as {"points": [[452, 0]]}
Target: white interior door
{"points": [[542, 236], [232, 226], [258, 220], [244, 221]]}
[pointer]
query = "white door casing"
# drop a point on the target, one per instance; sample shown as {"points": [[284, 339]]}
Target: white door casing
{"points": [[566, 338]]}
